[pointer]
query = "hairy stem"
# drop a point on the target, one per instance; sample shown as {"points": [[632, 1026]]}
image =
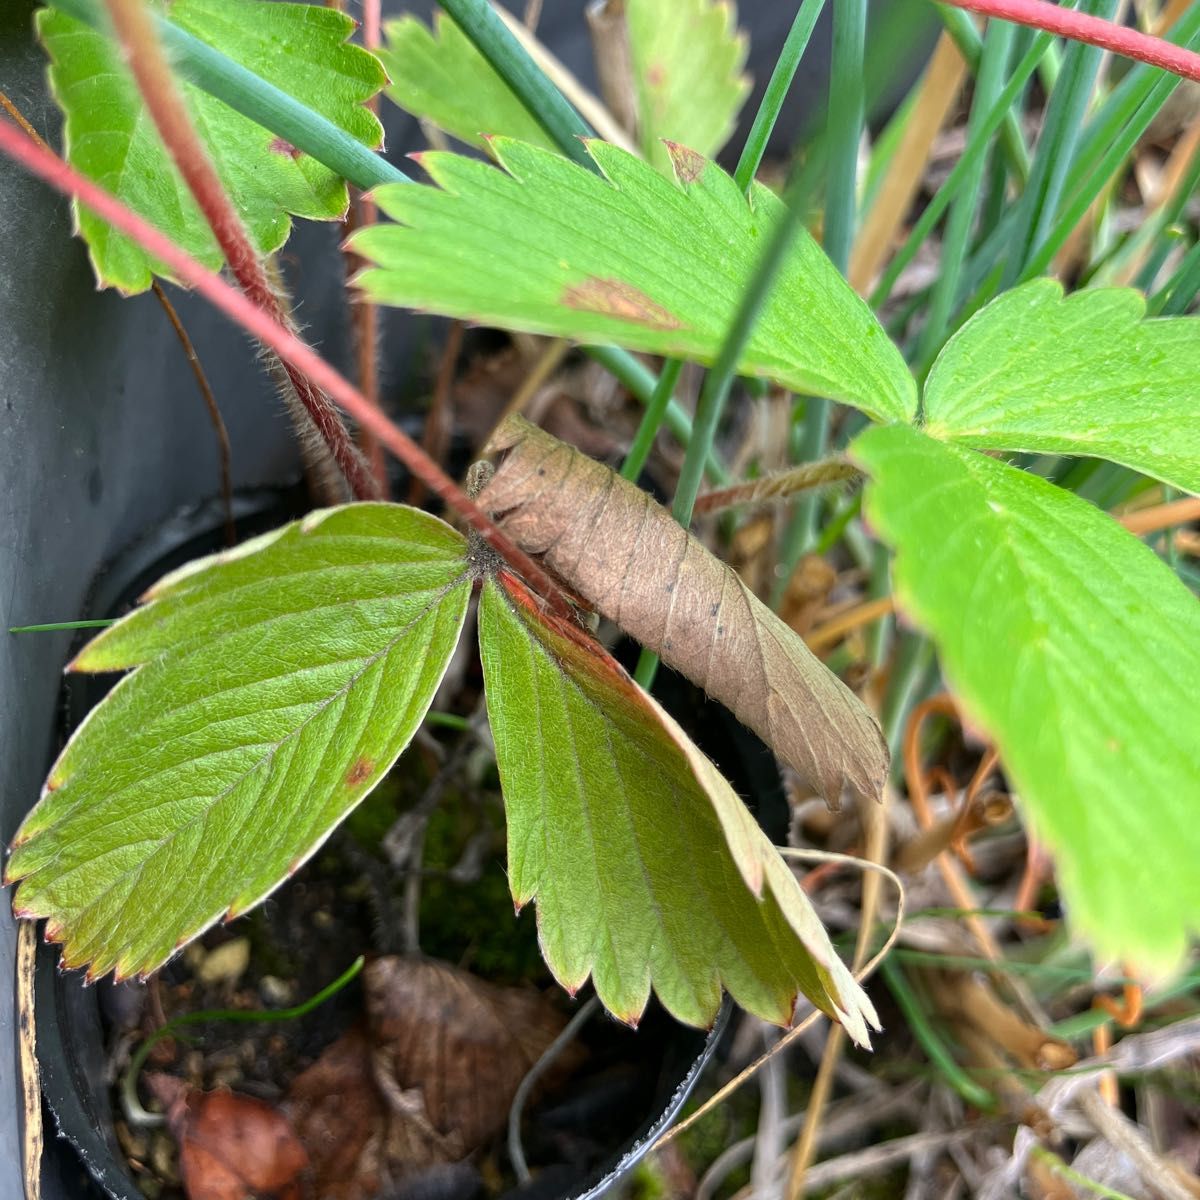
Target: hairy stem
{"points": [[163, 101], [51, 169]]}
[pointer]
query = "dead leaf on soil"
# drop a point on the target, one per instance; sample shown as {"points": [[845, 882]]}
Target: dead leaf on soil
{"points": [[628, 557], [230, 1146], [429, 1080]]}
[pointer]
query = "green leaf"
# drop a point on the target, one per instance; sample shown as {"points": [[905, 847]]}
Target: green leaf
{"points": [[273, 687], [109, 136], [687, 58], [1082, 375], [439, 76], [647, 869], [636, 259], [1078, 650]]}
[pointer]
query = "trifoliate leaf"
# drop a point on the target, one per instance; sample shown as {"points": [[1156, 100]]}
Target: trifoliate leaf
{"points": [[109, 136], [647, 870], [1085, 374], [687, 58], [629, 558], [1078, 650], [439, 76], [272, 688], [633, 258]]}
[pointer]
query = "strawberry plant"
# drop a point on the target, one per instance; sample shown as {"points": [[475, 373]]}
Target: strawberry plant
{"points": [[271, 687]]}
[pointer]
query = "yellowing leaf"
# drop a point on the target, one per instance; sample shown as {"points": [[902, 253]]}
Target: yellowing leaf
{"points": [[629, 558], [273, 687], [646, 868]]}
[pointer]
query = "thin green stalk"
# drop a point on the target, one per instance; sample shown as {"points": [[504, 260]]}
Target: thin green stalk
{"points": [[975, 148], [1057, 146], [1056, 1164], [137, 1060], [847, 115], [253, 97], [777, 89], [1112, 160], [931, 1042], [719, 380], [55, 626], [652, 420], [992, 68], [511, 61], [912, 664], [641, 384], [961, 28], [847, 108], [1180, 290]]}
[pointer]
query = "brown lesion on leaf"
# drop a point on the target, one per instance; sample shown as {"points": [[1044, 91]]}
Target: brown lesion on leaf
{"points": [[616, 298], [359, 772], [689, 166], [280, 145]]}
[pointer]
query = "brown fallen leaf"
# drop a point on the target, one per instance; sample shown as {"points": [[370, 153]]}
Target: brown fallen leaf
{"points": [[428, 1080], [231, 1147], [463, 1043], [625, 555]]}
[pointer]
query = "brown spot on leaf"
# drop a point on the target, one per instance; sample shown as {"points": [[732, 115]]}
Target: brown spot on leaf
{"points": [[656, 75], [281, 146], [616, 298], [689, 165], [360, 771]]}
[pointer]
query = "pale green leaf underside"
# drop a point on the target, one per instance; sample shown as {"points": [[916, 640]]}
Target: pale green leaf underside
{"points": [[110, 138], [639, 876], [274, 688], [1085, 375], [637, 259], [1078, 650], [439, 76], [687, 60]]}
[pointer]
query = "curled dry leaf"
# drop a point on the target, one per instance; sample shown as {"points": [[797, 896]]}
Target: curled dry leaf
{"points": [[428, 1080], [231, 1146], [626, 555]]}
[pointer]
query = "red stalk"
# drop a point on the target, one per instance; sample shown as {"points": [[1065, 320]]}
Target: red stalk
{"points": [[165, 105], [51, 169], [1095, 31]]}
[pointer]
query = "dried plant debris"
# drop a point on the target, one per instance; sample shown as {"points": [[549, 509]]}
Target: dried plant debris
{"points": [[427, 1080], [625, 555]]}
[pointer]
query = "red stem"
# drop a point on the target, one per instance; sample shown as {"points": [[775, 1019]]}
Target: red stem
{"points": [[1096, 31], [51, 169], [165, 105]]}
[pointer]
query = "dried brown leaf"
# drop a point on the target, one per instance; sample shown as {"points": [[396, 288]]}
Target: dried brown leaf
{"points": [[466, 1044], [231, 1146], [428, 1080], [627, 557]]}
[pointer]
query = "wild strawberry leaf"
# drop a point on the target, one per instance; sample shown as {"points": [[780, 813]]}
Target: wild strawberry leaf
{"points": [[1085, 374], [438, 75], [271, 689], [1078, 650], [650, 263], [631, 560], [108, 135], [646, 868], [687, 58]]}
